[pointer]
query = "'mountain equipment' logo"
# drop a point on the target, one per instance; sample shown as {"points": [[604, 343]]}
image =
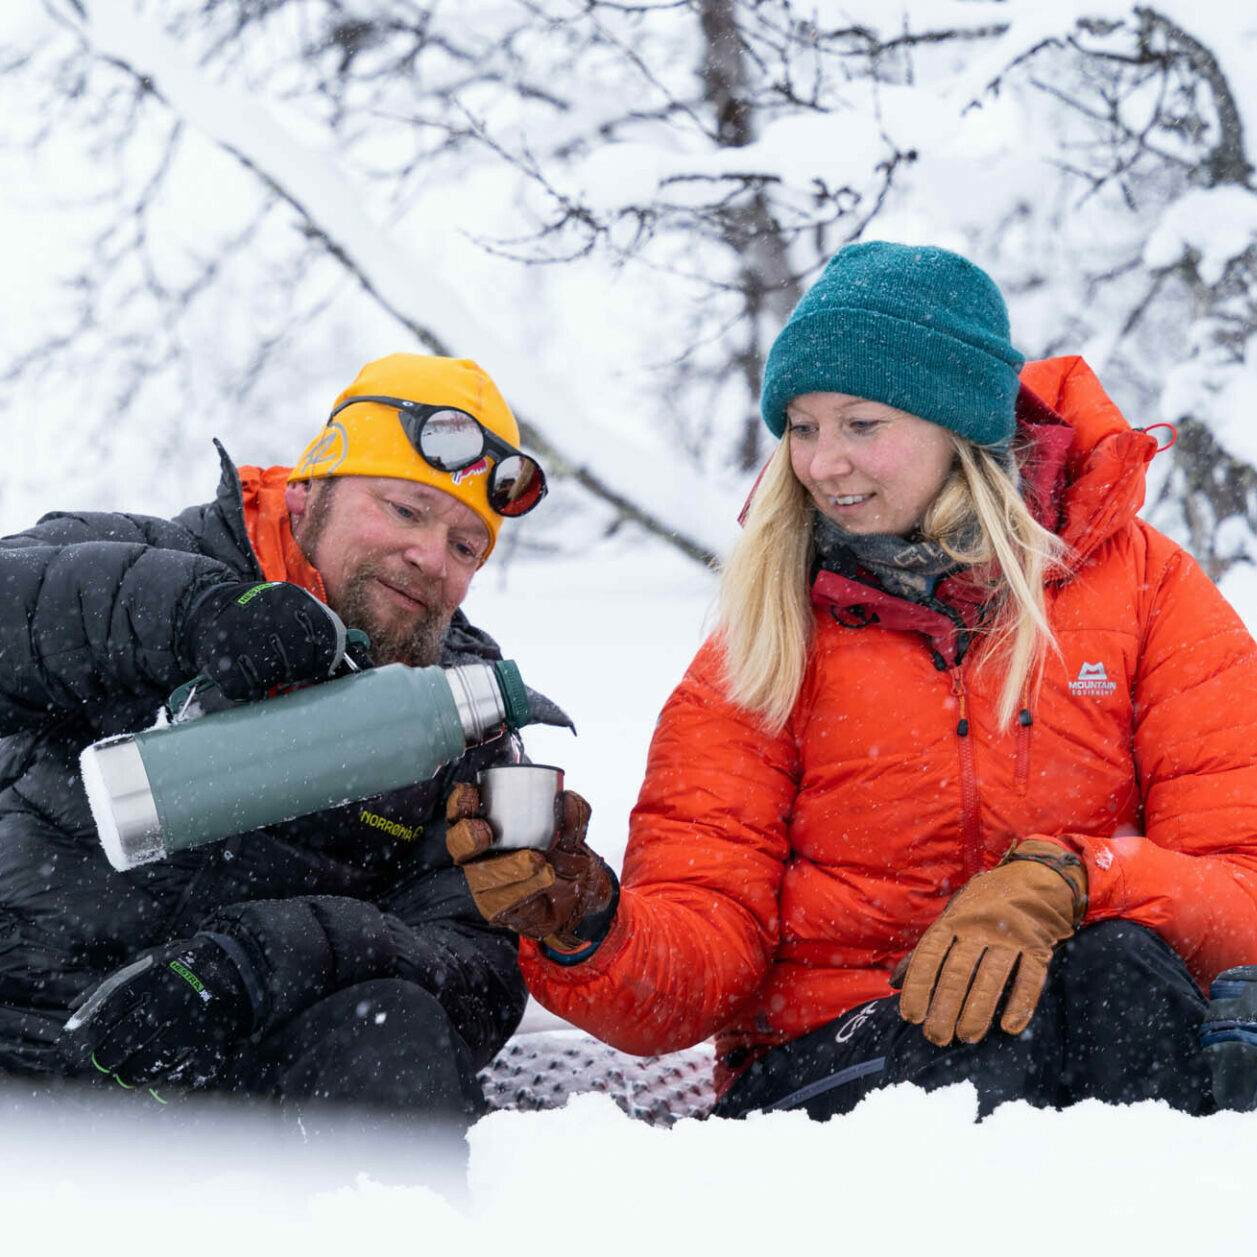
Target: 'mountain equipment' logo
{"points": [[1092, 680]]}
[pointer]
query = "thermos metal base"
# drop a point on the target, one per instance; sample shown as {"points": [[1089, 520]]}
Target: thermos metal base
{"points": [[122, 802]]}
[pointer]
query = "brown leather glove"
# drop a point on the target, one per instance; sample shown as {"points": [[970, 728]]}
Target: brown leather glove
{"points": [[1001, 926], [562, 896]]}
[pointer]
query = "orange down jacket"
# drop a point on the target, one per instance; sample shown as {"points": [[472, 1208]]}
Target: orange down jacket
{"points": [[772, 882]]}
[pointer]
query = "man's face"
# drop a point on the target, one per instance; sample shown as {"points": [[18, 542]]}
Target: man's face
{"points": [[396, 558]]}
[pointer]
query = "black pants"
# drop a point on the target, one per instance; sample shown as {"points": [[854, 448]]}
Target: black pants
{"points": [[384, 1049], [374, 1079], [1117, 1022]]}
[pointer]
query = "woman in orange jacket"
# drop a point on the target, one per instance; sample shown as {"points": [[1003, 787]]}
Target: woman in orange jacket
{"points": [[968, 730]]}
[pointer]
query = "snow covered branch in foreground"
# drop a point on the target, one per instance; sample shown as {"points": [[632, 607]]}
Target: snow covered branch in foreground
{"points": [[658, 493]]}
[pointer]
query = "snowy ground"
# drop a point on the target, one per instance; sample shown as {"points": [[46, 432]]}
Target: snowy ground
{"points": [[905, 1172]]}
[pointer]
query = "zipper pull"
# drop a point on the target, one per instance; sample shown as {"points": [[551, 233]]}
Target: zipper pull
{"points": [[962, 728]]}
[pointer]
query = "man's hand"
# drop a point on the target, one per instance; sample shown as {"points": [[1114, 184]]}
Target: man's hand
{"points": [[169, 1015], [1003, 925], [564, 896], [250, 637]]}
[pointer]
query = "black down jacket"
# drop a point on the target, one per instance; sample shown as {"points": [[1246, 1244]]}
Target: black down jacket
{"points": [[90, 623]]}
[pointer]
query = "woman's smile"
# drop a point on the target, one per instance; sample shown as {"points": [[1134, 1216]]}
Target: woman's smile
{"points": [[837, 439]]}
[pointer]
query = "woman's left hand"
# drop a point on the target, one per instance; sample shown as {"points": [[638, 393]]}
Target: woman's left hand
{"points": [[1004, 924]]}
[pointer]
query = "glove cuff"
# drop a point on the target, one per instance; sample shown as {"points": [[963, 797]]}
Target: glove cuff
{"points": [[1066, 863], [582, 940], [593, 927], [238, 957], [204, 605]]}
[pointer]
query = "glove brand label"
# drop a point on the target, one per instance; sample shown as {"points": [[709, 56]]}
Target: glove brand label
{"points": [[191, 979], [249, 594]]}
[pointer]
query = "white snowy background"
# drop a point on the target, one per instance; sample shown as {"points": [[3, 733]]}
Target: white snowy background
{"points": [[604, 622]]}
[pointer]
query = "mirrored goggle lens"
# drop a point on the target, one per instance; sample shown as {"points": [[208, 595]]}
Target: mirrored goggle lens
{"points": [[449, 439], [516, 485]]}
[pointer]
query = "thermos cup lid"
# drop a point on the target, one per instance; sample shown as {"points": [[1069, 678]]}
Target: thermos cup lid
{"points": [[514, 693]]}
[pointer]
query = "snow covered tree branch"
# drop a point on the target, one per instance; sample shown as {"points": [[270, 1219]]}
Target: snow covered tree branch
{"points": [[313, 187], [677, 172]]}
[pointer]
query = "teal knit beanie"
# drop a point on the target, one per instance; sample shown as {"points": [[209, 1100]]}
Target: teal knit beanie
{"points": [[916, 327]]}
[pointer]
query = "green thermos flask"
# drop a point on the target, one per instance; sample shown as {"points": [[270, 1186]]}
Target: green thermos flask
{"points": [[256, 764]]}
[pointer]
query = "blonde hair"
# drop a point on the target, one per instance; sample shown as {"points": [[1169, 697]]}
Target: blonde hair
{"points": [[978, 517]]}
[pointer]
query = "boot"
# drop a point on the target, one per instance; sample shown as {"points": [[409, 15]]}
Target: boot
{"points": [[1228, 1037]]}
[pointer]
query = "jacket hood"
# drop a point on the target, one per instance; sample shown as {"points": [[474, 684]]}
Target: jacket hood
{"points": [[1106, 465]]}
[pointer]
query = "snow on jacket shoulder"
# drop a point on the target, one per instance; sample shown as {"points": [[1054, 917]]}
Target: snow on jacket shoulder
{"points": [[772, 883]]}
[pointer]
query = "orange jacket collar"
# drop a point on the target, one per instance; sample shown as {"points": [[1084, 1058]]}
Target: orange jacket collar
{"points": [[270, 531]]}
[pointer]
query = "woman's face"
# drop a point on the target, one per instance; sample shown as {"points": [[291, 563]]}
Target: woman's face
{"points": [[868, 467]]}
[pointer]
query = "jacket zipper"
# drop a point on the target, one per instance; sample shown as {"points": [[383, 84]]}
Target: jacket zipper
{"points": [[970, 833], [1021, 759]]}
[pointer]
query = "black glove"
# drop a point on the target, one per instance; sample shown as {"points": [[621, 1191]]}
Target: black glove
{"points": [[170, 1015], [249, 638]]}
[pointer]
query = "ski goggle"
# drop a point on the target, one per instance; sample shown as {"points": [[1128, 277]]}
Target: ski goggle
{"points": [[451, 440]]}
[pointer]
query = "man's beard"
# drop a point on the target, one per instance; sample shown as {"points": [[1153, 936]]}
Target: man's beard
{"points": [[417, 643]]}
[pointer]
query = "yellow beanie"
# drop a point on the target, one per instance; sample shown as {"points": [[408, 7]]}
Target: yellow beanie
{"points": [[367, 439]]}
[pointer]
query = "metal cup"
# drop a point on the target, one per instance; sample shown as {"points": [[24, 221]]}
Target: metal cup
{"points": [[521, 804]]}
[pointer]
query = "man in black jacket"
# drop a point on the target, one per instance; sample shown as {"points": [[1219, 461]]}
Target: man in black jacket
{"points": [[338, 957]]}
